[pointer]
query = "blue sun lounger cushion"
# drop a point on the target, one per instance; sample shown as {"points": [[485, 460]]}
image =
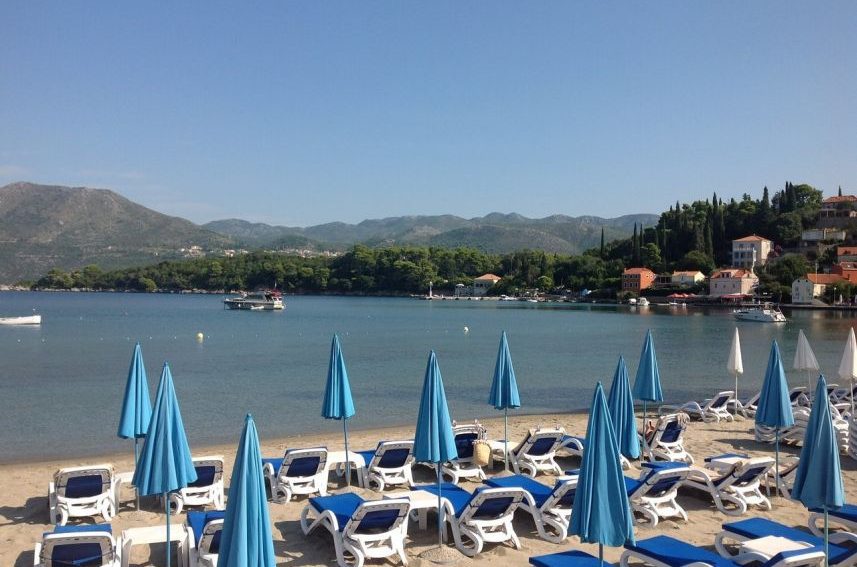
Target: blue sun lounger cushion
{"points": [[573, 558], [549, 507], [197, 522], [676, 553], [60, 548], [847, 516]]}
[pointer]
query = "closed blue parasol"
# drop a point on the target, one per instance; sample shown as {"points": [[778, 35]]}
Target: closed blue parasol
{"points": [[338, 403], [136, 406], [601, 512], [818, 479], [504, 389], [433, 440], [621, 406], [246, 537], [647, 384], [774, 408], [165, 462]]}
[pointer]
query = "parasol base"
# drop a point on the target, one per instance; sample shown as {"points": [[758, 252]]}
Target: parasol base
{"points": [[441, 555]]}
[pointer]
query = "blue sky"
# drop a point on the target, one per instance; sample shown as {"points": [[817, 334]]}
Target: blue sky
{"points": [[299, 113]]}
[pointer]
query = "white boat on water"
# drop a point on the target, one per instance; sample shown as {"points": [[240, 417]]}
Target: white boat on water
{"points": [[643, 302], [765, 313], [28, 320], [256, 301]]}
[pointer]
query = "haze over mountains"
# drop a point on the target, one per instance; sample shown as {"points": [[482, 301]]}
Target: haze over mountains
{"points": [[43, 226]]}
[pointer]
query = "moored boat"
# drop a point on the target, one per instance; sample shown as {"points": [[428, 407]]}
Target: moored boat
{"points": [[256, 301], [28, 320], [765, 313]]}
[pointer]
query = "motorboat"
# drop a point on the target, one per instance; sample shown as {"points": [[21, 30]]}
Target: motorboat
{"points": [[765, 313], [256, 301], [28, 320], [643, 302]]}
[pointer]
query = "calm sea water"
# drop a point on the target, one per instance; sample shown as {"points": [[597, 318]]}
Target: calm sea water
{"points": [[61, 384]]}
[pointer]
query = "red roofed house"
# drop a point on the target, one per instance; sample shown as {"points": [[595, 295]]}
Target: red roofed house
{"points": [[743, 249], [732, 281], [846, 253], [483, 283], [807, 288], [637, 279], [848, 270], [840, 206]]}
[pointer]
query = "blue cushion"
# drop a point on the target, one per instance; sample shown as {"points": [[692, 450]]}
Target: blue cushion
{"points": [[303, 466], [77, 555], [663, 465], [537, 490], [750, 475], [276, 463], [377, 521], [492, 508], [197, 522], [567, 559], [632, 484], [677, 553], [394, 458], [342, 506], [367, 456], [542, 446], [672, 432], [67, 529], [464, 444], [458, 497], [204, 476], [84, 486], [754, 528], [581, 440], [847, 512], [721, 401]]}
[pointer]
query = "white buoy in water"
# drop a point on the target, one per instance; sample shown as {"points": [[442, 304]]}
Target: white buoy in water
{"points": [[466, 330], [200, 337]]}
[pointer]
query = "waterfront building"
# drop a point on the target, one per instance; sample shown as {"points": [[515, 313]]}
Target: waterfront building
{"points": [[732, 281], [637, 279], [807, 288], [687, 278], [483, 283], [750, 250]]}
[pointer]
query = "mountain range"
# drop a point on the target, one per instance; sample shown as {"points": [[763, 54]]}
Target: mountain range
{"points": [[49, 226]]}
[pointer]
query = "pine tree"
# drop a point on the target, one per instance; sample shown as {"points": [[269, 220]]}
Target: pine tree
{"points": [[602, 243]]}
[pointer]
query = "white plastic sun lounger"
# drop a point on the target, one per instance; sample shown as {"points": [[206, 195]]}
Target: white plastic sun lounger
{"points": [[207, 490], [389, 464], [713, 409], [203, 537], [738, 486], [81, 492], [666, 442], [90, 545], [300, 471], [463, 467], [549, 507], [536, 453]]}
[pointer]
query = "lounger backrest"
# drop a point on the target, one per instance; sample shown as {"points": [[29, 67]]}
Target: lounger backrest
{"points": [[720, 400], [392, 454], [303, 462], [669, 430], [84, 549], [465, 435], [83, 482], [377, 517], [562, 496], [209, 543], [662, 481], [492, 503], [541, 442], [746, 472], [209, 470]]}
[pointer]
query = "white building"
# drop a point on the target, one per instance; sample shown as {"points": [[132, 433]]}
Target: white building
{"points": [[687, 278], [483, 283], [743, 248], [807, 288], [732, 281]]}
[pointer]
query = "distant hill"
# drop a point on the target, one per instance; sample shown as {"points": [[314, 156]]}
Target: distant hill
{"points": [[46, 226], [495, 232]]}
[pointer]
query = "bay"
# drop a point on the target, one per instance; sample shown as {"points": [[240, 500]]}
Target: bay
{"points": [[61, 383]]}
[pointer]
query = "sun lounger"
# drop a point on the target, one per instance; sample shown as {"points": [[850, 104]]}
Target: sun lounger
{"points": [[738, 485], [842, 548], [845, 516], [300, 471], [714, 409], [536, 453], [549, 507], [571, 558], [747, 408], [666, 441], [203, 537], [80, 492], [788, 468], [654, 494], [463, 467], [484, 516], [361, 529], [665, 551], [206, 490], [89, 545], [389, 464], [573, 446]]}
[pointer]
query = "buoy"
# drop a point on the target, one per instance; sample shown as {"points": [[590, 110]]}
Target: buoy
{"points": [[466, 330], [200, 337]]}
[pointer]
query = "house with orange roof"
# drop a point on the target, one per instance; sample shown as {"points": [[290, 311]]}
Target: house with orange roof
{"points": [[846, 253], [807, 288], [732, 281], [848, 270], [839, 206], [637, 279], [686, 278], [750, 250], [483, 283]]}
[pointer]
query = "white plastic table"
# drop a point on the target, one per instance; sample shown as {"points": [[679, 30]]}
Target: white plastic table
{"points": [[769, 546], [421, 502], [335, 459], [723, 464], [154, 534]]}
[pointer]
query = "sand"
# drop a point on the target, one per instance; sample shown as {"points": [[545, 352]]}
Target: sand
{"points": [[24, 503]]}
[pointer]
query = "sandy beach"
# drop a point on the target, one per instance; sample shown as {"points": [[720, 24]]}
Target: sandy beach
{"points": [[24, 507]]}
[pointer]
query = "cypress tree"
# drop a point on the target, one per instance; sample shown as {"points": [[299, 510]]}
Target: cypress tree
{"points": [[840, 190], [602, 242], [634, 246]]}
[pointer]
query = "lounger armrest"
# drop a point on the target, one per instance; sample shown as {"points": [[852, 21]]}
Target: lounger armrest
{"points": [[37, 552], [843, 537]]}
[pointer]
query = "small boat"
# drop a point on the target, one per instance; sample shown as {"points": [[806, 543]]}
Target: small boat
{"points": [[643, 302], [256, 301], [632, 301], [28, 320], [765, 313]]}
